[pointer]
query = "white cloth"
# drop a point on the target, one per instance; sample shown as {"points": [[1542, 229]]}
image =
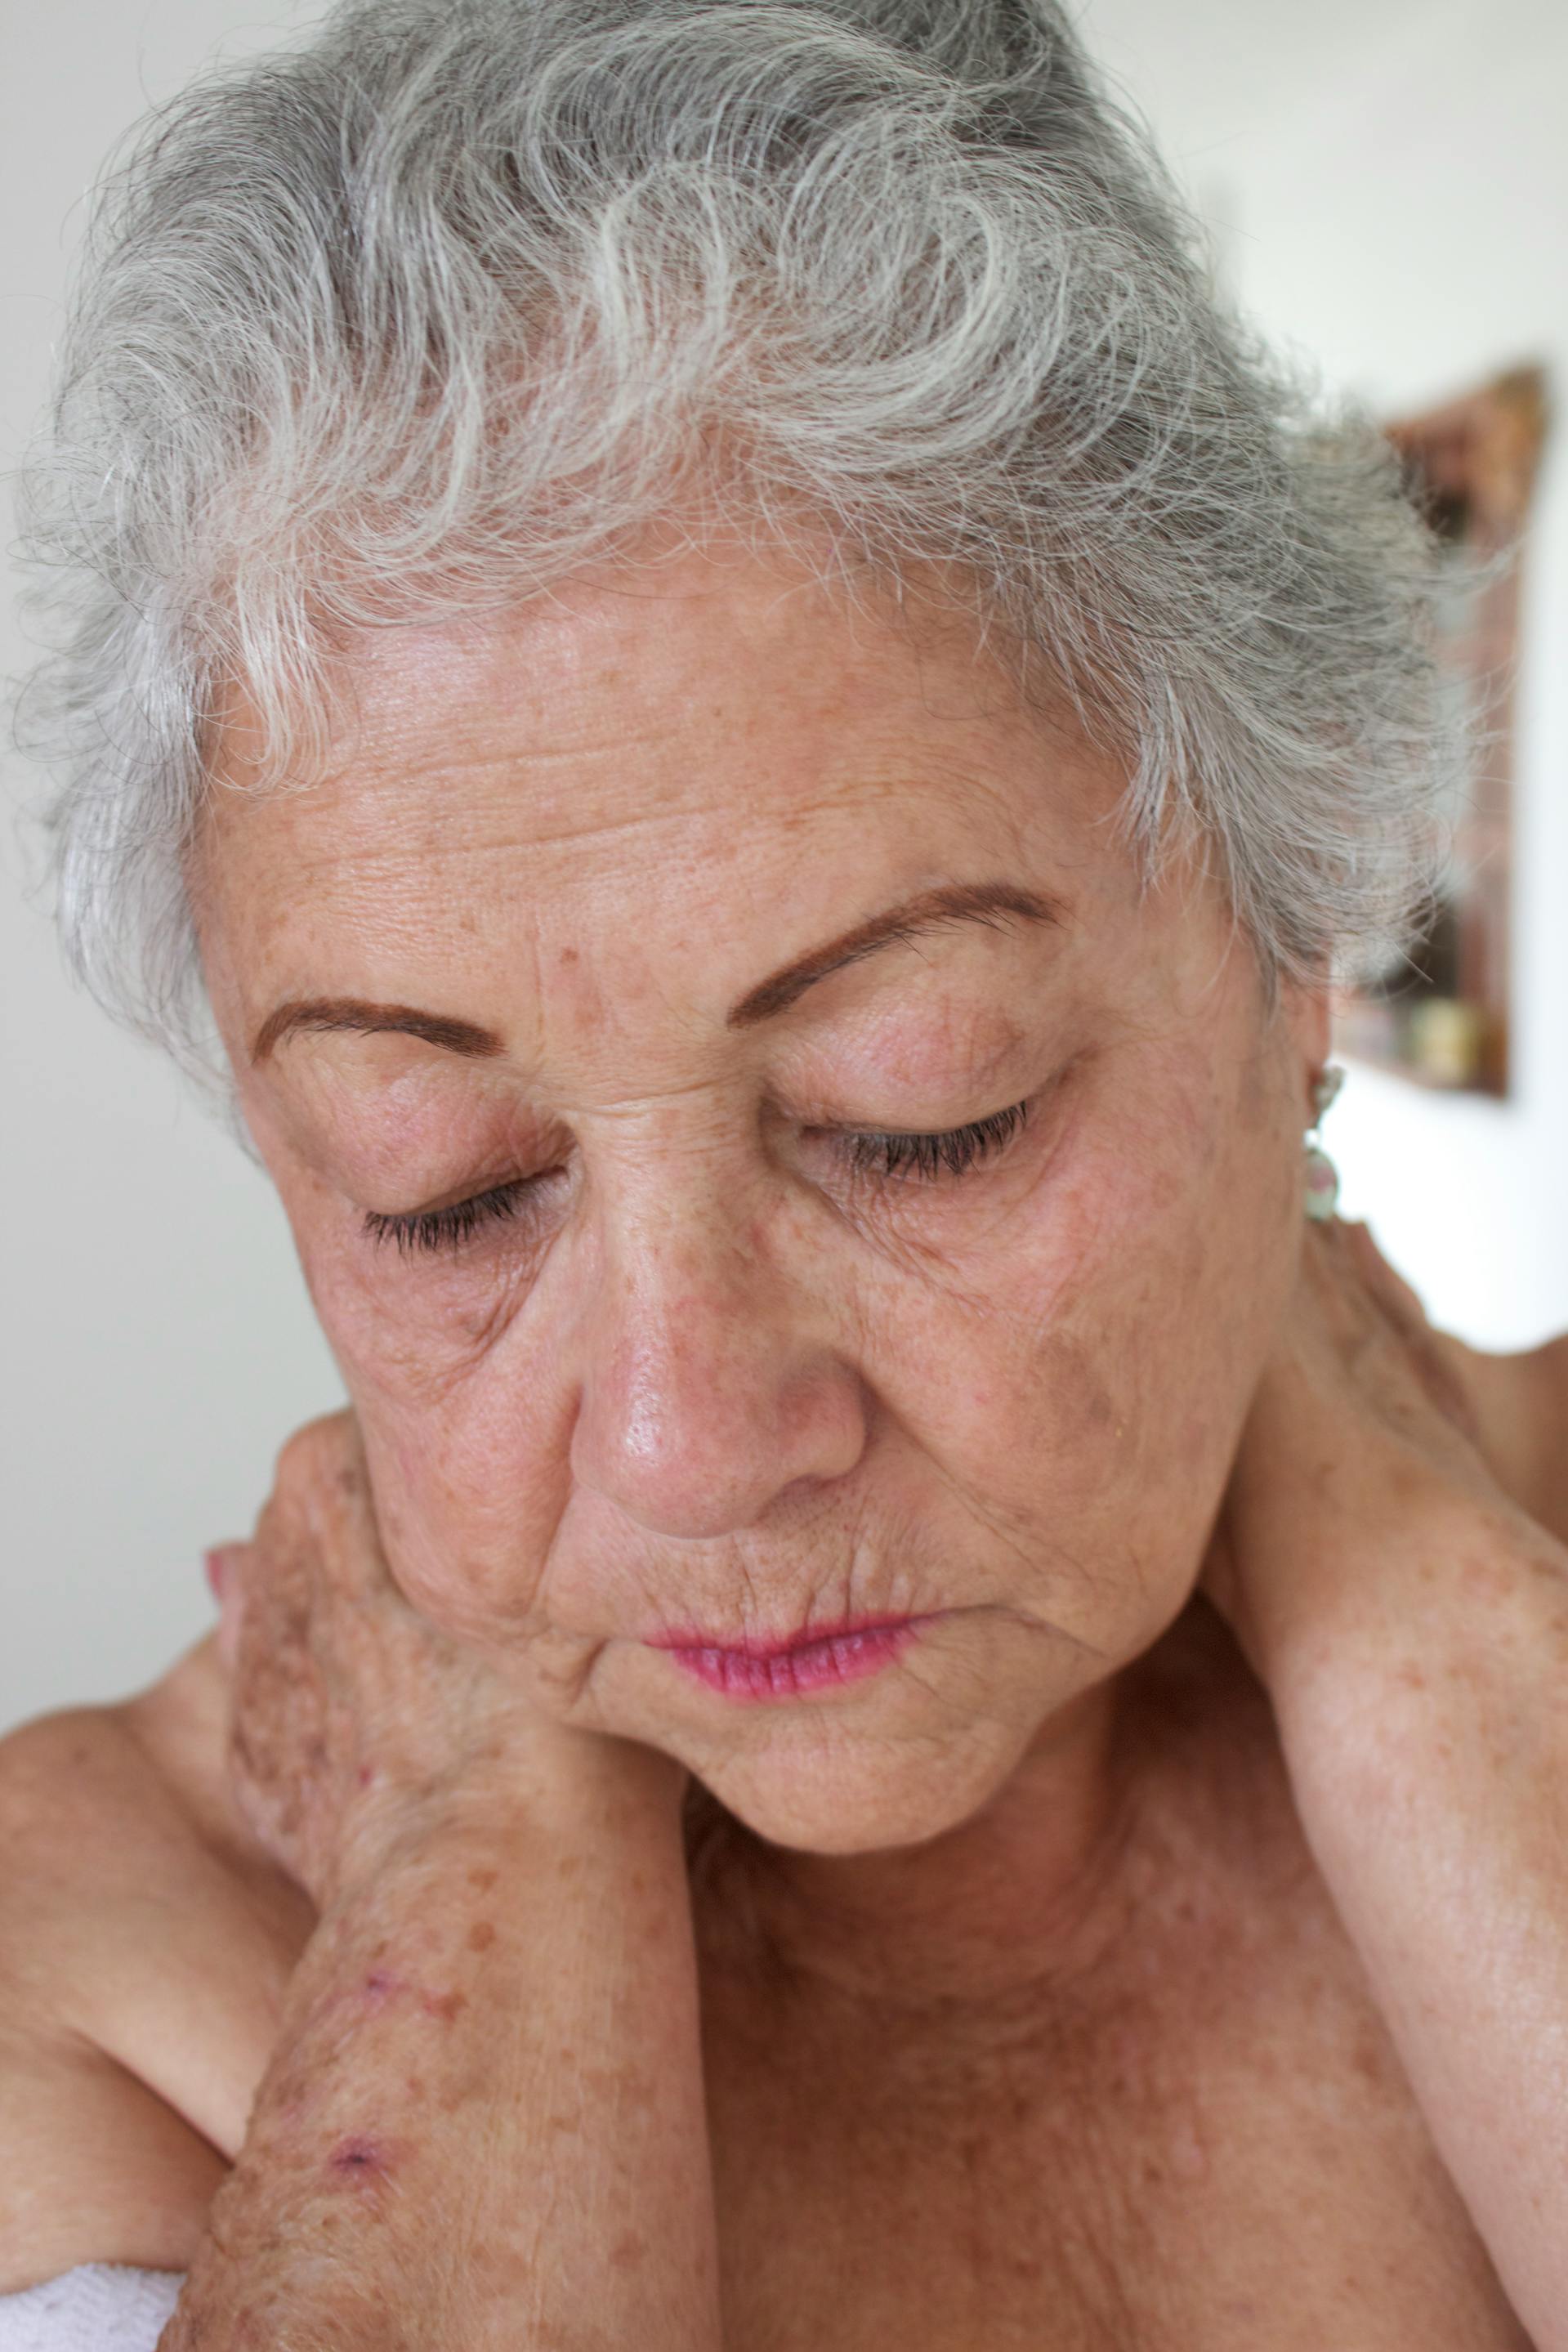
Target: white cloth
{"points": [[102, 2307]]}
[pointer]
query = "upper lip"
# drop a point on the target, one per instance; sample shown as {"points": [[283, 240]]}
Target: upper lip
{"points": [[763, 1646]]}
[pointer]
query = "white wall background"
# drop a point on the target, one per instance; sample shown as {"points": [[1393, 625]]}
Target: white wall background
{"points": [[157, 1340], [1392, 178]]}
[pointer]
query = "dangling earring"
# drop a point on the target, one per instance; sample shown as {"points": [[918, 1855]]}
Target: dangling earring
{"points": [[1322, 1177]]}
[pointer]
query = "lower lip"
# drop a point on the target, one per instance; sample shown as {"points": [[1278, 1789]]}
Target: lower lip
{"points": [[826, 1661]]}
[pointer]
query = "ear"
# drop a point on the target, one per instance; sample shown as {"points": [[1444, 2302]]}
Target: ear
{"points": [[1308, 1010]]}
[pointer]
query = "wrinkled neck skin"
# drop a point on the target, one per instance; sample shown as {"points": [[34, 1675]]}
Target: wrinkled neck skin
{"points": [[1036, 1893], [1001, 1898]]}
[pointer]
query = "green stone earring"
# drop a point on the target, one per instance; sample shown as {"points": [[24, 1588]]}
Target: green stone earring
{"points": [[1322, 1177]]}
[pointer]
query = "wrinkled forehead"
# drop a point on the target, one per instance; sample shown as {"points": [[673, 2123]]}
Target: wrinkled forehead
{"points": [[664, 763]]}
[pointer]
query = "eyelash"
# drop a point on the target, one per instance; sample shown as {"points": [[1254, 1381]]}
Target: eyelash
{"points": [[445, 1228], [952, 1152]]}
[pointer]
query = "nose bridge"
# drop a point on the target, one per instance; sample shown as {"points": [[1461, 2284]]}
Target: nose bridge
{"points": [[708, 1381]]}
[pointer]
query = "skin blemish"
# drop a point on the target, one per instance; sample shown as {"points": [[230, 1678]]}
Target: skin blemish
{"points": [[483, 1879], [382, 1985], [1189, 2158], [362, 2161], [443, 2005], [481, 1936]]}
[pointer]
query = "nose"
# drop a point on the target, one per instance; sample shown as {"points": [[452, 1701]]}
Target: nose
{"points": [[709, 1386]]}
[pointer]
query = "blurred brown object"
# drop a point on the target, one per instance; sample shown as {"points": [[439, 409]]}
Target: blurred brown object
{"points": [[1441, 1016]]}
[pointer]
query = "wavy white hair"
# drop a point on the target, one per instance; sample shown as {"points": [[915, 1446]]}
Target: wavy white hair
{"points": [[428, 313]]}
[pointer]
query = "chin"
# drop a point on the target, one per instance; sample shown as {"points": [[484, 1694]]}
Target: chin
{"points": [[818, 1786]]}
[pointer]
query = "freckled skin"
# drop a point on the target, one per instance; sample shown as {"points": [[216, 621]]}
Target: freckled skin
{"points": [[445, 2006], [710, 1375], [1023, 2006]]}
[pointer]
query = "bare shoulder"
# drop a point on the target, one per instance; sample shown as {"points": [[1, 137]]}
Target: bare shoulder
{"points": [[1552, 1359], [1542, 1385], [145, 1945]]}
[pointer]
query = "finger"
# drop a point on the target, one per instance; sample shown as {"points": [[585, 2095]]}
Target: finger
{"points": [[1387, 1286], [322, 1488], [1428, 1351], [224, 1565], [215, 1562]]}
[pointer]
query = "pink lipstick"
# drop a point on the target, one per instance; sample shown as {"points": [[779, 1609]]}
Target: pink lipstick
{"points": [[816, 1658]]}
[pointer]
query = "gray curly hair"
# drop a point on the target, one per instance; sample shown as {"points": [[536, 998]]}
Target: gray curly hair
{"points": [[427, 314]]}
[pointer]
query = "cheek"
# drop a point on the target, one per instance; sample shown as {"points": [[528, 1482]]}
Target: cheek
{"points": [[1086, 1391], [467, 1439], [470, 1491]]}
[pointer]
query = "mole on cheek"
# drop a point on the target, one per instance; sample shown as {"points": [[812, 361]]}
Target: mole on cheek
{"points": [[481, 1936]]}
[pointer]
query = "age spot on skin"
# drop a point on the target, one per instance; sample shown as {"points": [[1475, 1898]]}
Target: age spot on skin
{"points": [[383, 1986], [483, 1879], [481, 1936], [443, 2005], [363, 2161]]}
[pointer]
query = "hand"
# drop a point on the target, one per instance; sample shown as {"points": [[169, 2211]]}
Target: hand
{"points": [[355, 1723], [488, 2076], [1409, 1622], [1361, 1429]]}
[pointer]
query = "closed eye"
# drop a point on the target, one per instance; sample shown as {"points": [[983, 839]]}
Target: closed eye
{"points": [[426, 1230], [921, 1156], [949, 1151]]}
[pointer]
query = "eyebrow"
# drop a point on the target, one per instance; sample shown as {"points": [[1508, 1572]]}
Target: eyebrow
{"points": [[986, 903], [358, 1016]]}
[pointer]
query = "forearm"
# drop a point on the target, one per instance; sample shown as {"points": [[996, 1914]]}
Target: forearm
{"points": [[483, 2124], [1423, 1710]]}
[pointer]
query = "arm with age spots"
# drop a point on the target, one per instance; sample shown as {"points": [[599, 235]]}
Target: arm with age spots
{"points": [[482, 2123], [1411, 1625]]}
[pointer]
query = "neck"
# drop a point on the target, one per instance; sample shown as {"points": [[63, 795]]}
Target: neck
{"points": [[1012, 1894]]}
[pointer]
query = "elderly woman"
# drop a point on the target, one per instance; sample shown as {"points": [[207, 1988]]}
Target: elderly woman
{"points": [[913, 1707]]}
